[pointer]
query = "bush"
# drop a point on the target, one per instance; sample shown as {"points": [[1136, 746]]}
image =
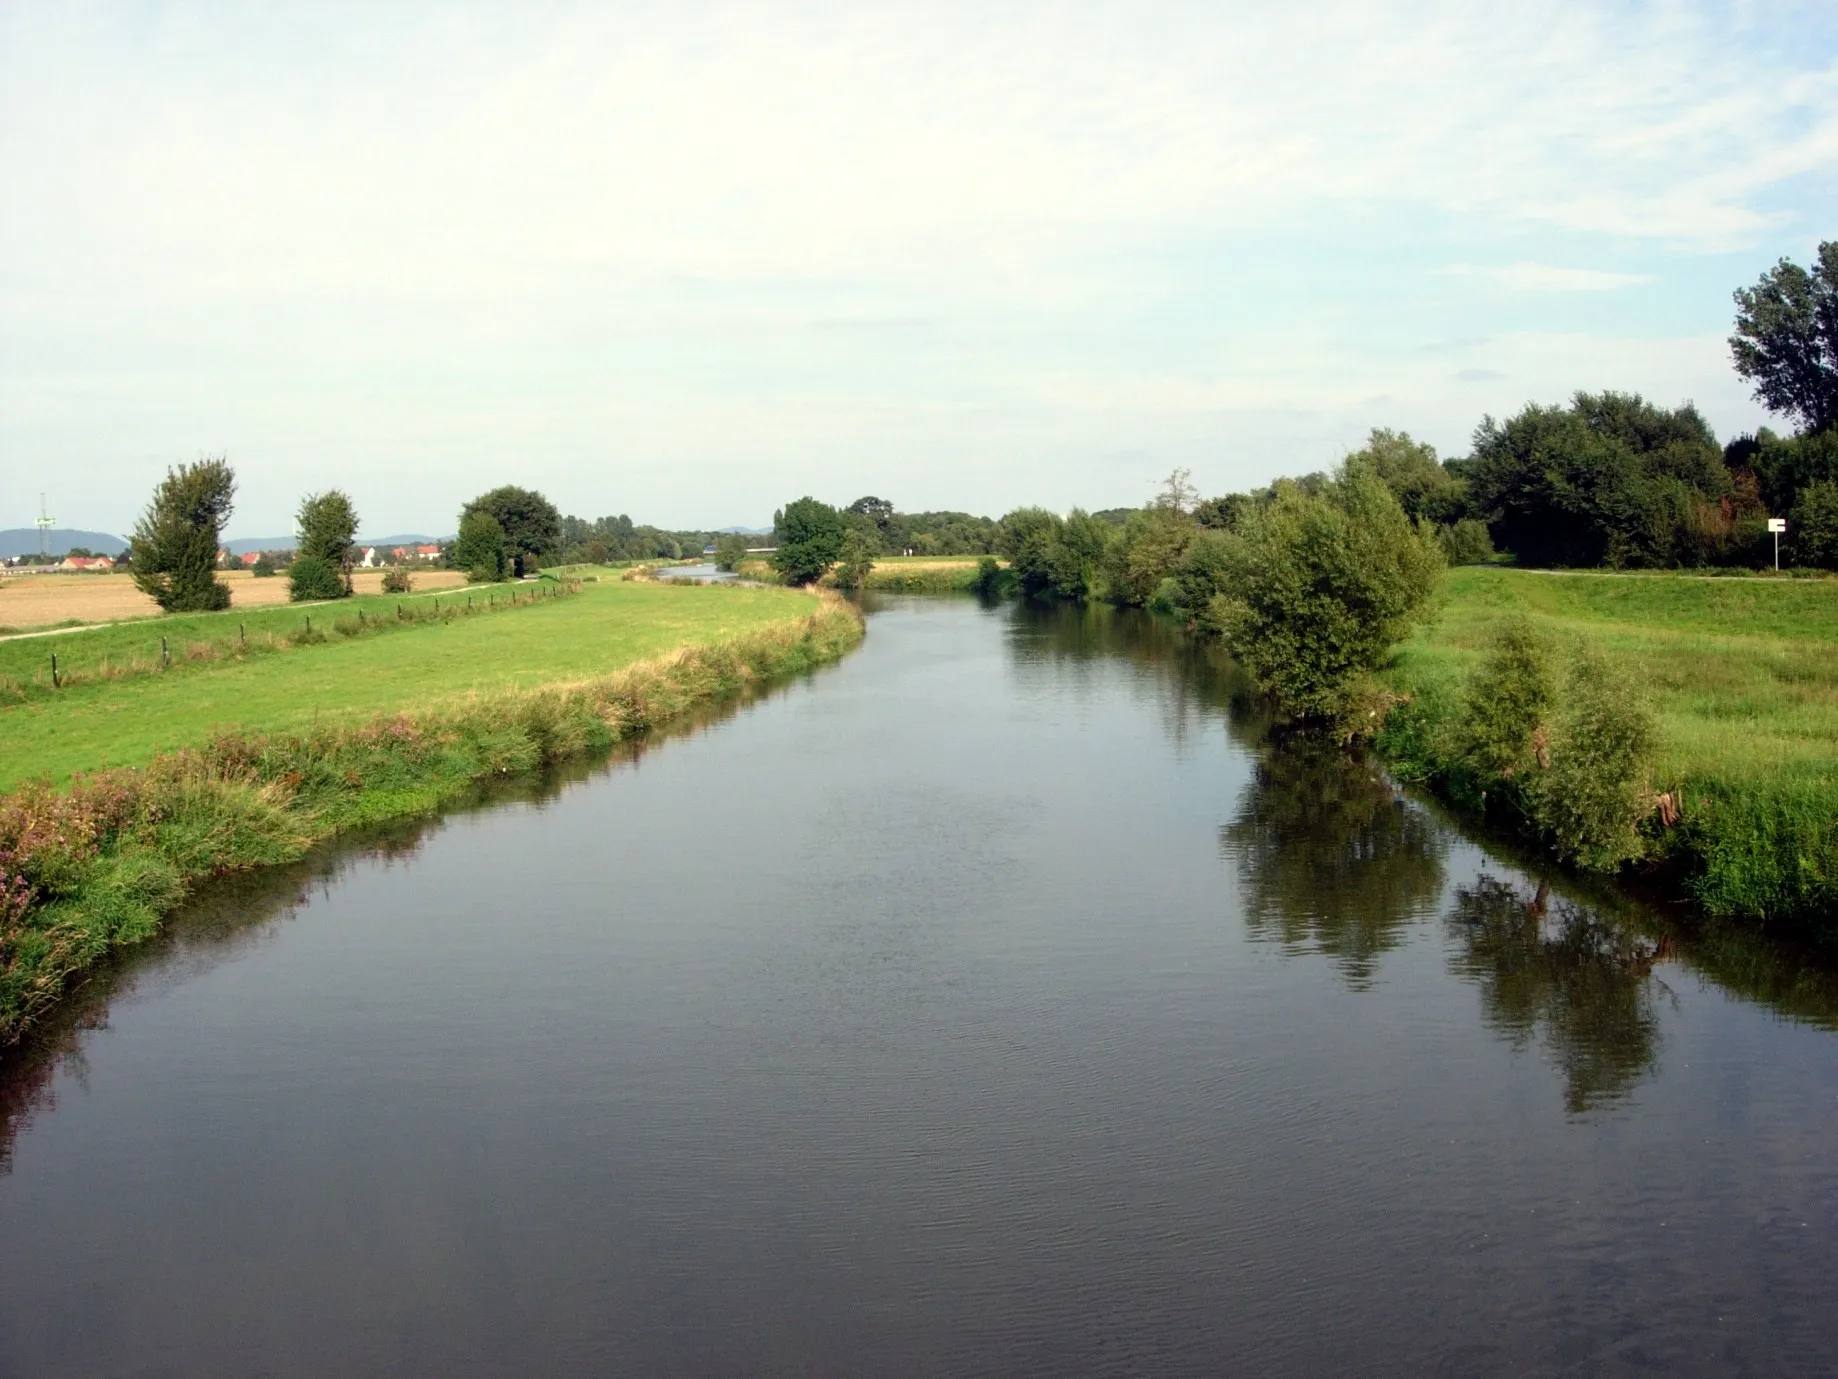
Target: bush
{"points": [[1591, 800], [397, 580], [314, 577], [1319, 586], [1508, 700], [1465, 542], [264, 567], [988, 580], [857, 561], [730, 550]]}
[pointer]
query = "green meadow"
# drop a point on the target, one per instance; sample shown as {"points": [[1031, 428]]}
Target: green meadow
{"points": [[97, 721], [1741, 676]]}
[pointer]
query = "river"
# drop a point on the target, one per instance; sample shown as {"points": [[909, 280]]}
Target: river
{"points": [[1001, 1000]]}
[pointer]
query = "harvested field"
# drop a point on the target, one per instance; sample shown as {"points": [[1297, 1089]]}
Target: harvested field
{"points": [[45, 600]]}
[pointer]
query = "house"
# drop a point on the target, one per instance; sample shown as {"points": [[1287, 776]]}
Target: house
{"points": [[250, 557], [86, 562], [426, 551], [370, 561]]}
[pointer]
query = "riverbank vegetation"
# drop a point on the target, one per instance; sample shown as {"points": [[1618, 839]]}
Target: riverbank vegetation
{"points": [[93, 867]]}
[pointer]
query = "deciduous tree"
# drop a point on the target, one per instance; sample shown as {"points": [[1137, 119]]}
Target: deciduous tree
{"points": [[176, 541]]}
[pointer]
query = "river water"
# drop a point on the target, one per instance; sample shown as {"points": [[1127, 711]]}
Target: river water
{"points": [[999, 1001]]}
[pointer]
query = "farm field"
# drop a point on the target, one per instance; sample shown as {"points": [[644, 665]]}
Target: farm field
{"points": [[29, 601], [608, 625]]}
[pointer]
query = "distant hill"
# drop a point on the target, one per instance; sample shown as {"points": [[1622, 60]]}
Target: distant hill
{"points": [[743, 531], [24, 541]]}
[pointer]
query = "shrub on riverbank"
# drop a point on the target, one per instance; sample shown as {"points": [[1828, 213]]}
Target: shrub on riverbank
{"points": [[1740, 684], [97, 867]]}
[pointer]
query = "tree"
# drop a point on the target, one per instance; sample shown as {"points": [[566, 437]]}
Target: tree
{"points": [[877, 510], [1320, 585], [1027, 539], [857, 560], [1610, 479], [1146, 552], [1178, 495], [1786, 339], [810, 540], [1076, 554], [479, 551], [730, 550], [327, 524], [1411, 471], [263, 567], [176, 540], [1813, 529], [531, 525]]}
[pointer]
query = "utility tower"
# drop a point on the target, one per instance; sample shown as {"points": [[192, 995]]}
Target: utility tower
{"points": [[44, 524]]}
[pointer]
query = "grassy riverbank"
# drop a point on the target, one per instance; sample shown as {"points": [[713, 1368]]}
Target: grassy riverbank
{"points": [[101, 722], [1742, 680], [261, 776], [894, 574]]}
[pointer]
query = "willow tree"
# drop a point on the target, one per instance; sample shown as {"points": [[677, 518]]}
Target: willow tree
{"points": [[176, 541]]}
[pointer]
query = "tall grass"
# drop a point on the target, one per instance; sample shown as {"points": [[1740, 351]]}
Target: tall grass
{"points": [[97, 867]]}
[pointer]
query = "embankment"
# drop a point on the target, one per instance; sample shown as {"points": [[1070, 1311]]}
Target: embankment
{"points": [[1741, 681], [87, 870]]}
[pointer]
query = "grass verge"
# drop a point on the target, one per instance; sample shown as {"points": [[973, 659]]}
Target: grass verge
{"points": [[1741, 677], [91, 869]]}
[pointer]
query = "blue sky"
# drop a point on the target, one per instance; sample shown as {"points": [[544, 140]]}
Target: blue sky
{"points": [[689, 261]]}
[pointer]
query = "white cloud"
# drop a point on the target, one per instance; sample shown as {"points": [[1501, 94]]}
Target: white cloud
{"points": [[1545, 277], [374, 235]]}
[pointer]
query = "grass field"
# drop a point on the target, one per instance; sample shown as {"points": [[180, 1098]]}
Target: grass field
{"points": [[125, 722], [1742, 679], [46, 600]]}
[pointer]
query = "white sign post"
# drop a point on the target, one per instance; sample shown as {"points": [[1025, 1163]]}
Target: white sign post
{"points": [[1777, 525]]}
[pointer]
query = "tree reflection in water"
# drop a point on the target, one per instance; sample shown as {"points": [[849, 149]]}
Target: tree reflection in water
{"points": [[1547, 965], [1331, 857]]}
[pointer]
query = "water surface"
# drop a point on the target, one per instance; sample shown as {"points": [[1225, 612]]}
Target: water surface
{"points": [[998, 1001]]}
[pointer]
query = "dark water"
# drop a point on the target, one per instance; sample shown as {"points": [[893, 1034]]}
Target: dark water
{"points": [[997, 1002]]}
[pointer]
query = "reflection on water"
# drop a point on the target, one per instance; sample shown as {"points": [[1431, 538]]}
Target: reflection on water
{"points": [[1331, 857], [1550, 967], [1013, 1001], [229, 915]]}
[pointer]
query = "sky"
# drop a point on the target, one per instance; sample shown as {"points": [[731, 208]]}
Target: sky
{"points": [[690, 261]]}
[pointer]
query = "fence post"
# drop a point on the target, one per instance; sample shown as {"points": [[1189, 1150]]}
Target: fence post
{"points": [[54, 680], [360, 617], [309, 624], [242, 636], [165, 655]]}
